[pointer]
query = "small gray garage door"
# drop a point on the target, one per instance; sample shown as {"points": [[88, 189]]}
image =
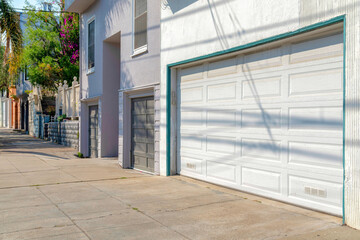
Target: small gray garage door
{"points": [[142, 140], [93, 131], [268, 122]]}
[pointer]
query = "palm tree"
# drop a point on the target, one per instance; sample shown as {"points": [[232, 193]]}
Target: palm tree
{"points": [[10, 32]]}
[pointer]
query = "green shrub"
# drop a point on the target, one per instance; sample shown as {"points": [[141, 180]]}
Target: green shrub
{"points": [[61, 118]]}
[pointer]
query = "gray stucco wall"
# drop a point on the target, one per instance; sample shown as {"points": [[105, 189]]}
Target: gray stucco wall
{"points": [[113, 35], [113, 17]]}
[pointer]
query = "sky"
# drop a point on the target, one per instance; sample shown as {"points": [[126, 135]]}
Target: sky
{"points": [[21, 3]]}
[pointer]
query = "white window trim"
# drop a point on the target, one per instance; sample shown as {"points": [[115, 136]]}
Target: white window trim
{"points": [[91, 70], [142, 49]]}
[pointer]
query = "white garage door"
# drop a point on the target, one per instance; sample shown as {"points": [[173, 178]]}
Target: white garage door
{"points": [[268, 122]]}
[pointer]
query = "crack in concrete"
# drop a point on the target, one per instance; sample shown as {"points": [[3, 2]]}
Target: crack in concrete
{"points": [[203, 205], [29, 206], [32, 171], [36, 228], [80, 181], [92, 218]]}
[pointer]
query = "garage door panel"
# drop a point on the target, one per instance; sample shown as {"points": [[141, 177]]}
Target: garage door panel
{"points": [[221, 118], [222, 171], [192, 164], [191, 95], [269, 73], [191, 141], [316, 65], [259, 179], [315, 190], [192, 73], [224, 67], [326, 47], [260, 148], [317, 82], [264, 118], [318, 154], [265, 59], [314, 172], [316, 118], [272, 127], [192, 119], [264, 87], [226, 91], [221, 144]]}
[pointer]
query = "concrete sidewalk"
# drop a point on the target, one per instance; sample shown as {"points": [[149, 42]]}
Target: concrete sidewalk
{"points": [[48, 193]]}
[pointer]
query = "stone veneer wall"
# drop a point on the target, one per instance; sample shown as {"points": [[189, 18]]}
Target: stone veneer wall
{"points": [[64, 133]]}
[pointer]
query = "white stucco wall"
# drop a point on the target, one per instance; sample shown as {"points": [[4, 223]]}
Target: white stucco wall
{"points": [[193, 28]]}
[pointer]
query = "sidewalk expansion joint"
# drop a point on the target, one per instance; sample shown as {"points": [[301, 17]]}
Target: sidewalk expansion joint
{"points": [[79, 181]]}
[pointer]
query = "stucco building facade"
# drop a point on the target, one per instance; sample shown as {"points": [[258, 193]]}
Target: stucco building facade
{"points": [[259, 96], [119, 77]]}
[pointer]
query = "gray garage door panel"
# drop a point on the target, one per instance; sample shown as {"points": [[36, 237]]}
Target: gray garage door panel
{"points": [[142, 140], [93, 131]]}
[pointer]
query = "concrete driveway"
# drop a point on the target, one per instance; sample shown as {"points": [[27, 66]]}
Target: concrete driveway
{"points": [[48, 193]]}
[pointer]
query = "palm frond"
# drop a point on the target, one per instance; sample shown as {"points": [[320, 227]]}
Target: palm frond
{"points": [[10, 27]]}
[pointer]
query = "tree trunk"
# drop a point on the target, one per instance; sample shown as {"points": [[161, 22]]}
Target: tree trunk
{"points": [[7, 49]]}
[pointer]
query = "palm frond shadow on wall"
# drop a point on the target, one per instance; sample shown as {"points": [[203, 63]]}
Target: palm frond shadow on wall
{"points": [[176, 5]]}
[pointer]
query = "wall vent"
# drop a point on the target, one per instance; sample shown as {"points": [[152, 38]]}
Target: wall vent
{"points": [[315, 192], [191, 166]]}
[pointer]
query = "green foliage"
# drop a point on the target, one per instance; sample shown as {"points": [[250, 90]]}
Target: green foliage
{"points": [[4, 73], [80, 155], [11, 35], [14, 97], [46, 53], [61, 118]]}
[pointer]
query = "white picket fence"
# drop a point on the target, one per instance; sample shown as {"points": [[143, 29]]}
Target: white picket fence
{"points": [[68, 99], [5, 112]]}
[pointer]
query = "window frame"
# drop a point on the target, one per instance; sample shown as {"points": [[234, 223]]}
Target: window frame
{"points": [[88, 22], [144, 48]]}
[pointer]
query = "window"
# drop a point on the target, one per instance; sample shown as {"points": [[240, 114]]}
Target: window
{"points": [[91, 45], [26, 73], [140, 24], [47, 7]]}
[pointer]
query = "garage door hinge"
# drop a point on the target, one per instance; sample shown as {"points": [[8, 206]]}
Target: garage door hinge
{"points": [[173, 98]]}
